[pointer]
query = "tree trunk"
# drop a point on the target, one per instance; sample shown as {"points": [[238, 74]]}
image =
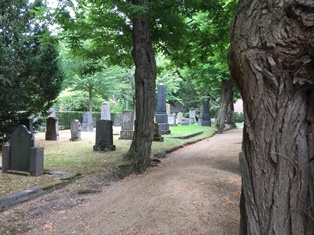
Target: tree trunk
{"points": [[145, 85], [270, 60], [225, 115]]}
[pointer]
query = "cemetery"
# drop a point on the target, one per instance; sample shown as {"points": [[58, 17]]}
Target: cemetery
{"points": [[73, 152], [98, 99]]}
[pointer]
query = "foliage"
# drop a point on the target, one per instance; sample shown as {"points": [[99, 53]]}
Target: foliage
{"points": [[30, 75], [238, 117]]}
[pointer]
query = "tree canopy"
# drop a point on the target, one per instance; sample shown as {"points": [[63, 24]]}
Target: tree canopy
{"points": [[30, 75]]}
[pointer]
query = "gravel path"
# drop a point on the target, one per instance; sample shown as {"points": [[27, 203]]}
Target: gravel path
{"points": [[195, 190]]}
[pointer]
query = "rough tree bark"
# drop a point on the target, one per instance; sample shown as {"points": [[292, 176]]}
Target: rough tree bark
{"points": [[271, 61], [145, 84], [225, 114]]}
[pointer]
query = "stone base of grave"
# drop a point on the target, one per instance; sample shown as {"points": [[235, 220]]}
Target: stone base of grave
{"points": [[164, 128], [206, 123], [37, 161], [157, 134], [158, 138], [52, 137], [87, 128], [161, 118], [126, 135], [104, 147]]}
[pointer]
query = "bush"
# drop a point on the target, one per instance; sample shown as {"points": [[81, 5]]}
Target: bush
{"points": [[238, 117]]}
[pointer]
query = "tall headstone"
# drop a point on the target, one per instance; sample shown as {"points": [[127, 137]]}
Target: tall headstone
{"points": [[117, 119], [87, 124], [201, 116], [127, 125], [192, 117], [21, 155], [206, 117], [161, 115], [52, 128], [105, 111], [75, 130], [104, 136]]}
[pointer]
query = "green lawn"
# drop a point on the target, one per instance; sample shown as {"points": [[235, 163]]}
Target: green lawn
{"points": [[78, 157]]}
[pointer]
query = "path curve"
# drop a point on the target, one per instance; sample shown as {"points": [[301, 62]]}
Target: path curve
{"points": [[195, 190]]}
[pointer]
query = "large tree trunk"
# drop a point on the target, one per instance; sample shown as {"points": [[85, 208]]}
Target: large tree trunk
{"points": [[271, 62], [145, 85], [225, 114]]}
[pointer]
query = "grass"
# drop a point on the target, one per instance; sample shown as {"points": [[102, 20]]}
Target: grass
{"points": [[79, 157]]}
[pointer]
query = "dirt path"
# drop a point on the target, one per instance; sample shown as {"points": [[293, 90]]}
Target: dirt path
{"points": [[195, 190]]}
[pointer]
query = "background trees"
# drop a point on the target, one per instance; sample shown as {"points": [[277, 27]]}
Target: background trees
{"points": [[30, 76], [271, 61]]}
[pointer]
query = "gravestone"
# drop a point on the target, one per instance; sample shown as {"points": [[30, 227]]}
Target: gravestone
{"points": [[157, 134], [180, 117], [192, 116], [172, 119], [127, 131], [105, 111], [52, 129], [185, 121], [104, 136], [168, 106], [201, 116], [21, 155], [75, 130], [206, 117], [117, 120], [52, 112], [87, 125], [161, 115]]}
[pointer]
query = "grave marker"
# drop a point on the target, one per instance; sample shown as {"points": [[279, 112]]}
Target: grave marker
{"points": [[105, 111], [75, 130], [21, 155], [104, 136], [127, 125], [206, 117], [52, 129], [161, 115]]}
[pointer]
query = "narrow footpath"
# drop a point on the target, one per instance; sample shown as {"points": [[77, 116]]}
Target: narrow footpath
{"points": [[194, 190]]}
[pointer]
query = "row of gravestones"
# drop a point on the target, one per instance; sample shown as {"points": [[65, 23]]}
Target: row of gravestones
{"points": [[22, 155], [164, 118]]}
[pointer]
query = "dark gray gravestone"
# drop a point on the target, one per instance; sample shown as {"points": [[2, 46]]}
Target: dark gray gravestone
{"points": [[52, 128], [21, 143], [206, 117], [126, 132], [104, 136], [117, 120], [161, 115], [37, 161]]}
